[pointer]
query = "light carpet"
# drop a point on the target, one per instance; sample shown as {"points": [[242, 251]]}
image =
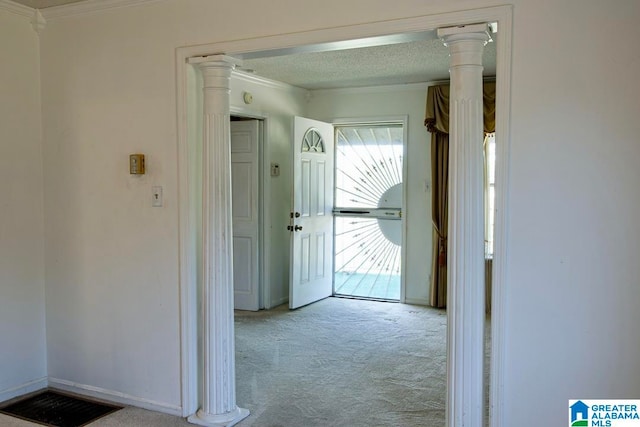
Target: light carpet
{"points": [[342, 362]]}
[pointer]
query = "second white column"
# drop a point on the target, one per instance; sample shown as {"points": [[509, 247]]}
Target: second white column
{"points": [[465, 290]]}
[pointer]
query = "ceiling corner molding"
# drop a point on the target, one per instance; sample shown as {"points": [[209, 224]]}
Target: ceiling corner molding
{"points": [[393, 88], [38, 22], [89, 6], [16, 8], [263, 81]]}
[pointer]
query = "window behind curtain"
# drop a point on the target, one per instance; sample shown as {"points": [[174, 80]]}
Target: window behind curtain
{"points": [[490, 180]]}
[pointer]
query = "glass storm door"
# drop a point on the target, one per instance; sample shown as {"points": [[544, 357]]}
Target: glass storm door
{"points": [[368, 215]]}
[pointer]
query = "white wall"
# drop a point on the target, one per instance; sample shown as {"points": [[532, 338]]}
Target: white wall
{"points": [[109, 90], [111, 258], [22, 325], [573, 275], [394, 101]]}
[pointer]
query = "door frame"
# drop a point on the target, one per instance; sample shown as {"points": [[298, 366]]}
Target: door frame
{"points": [[404, 120], [188, 263]]}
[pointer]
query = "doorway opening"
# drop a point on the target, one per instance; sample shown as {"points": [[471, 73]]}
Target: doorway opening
{"points": [[368, 211], [189, 237]]}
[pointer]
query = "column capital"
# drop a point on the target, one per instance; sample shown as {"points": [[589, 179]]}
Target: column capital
{"points": [[216, 75], [465, 32], [220, 60], [466, 43]]}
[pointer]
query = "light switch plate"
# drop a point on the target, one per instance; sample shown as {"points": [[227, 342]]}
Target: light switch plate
{"points": [[156, 194]]}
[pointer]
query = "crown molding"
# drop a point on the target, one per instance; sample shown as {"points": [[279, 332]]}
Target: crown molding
{"points": [[88, 6], [266, 82], [16, 8], [38, 22], [403, 87]]}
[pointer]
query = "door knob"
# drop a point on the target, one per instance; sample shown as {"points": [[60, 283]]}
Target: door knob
{"points": [[297, 228], [297, 214]]}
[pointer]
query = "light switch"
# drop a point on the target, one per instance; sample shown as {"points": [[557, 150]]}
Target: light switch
{"points": [[156, 194], [275, 169]]}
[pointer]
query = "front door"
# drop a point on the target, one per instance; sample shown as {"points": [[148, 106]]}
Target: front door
{"points": [[311, 223], [244, 178]]}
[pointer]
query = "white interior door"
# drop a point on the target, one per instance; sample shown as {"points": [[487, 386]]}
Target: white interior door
{"points": [[244, 177], [311, 224]]}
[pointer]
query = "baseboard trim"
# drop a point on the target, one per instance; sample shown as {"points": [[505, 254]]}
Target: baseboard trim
{"points": [[416, 301], [25, 388], [114, 396]]}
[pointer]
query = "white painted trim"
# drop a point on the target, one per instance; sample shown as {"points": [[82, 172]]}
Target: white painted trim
{"points": [[502, 15], [114, 396], [405, 216], [38, 23], [89, 6], [187, 262], [265, 82], [24, 388], [248, 113], [264, 232], [16, 8], [407, 87], [501, 219], [349, 121], [336, 34]]}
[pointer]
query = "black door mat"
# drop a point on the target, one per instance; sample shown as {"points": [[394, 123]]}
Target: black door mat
{"points": [[51, 408]]}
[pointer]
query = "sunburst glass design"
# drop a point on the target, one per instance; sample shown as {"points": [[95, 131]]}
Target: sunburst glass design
{"points": [[368, 220]]}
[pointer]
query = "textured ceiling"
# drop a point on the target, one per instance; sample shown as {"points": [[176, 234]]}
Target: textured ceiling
{"points": [[413, 62], [43, 4]]}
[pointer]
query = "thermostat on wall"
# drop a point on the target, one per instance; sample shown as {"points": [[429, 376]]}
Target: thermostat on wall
{"points": [[136, 164]]}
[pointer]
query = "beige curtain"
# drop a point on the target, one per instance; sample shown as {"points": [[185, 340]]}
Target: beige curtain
{"points": [[437, 122]]}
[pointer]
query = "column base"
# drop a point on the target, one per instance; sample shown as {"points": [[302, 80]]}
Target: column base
{"points": [[227, 419]]}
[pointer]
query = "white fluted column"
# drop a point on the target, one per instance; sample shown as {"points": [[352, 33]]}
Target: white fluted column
{"points": [[218, 343], [465, 296]]}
